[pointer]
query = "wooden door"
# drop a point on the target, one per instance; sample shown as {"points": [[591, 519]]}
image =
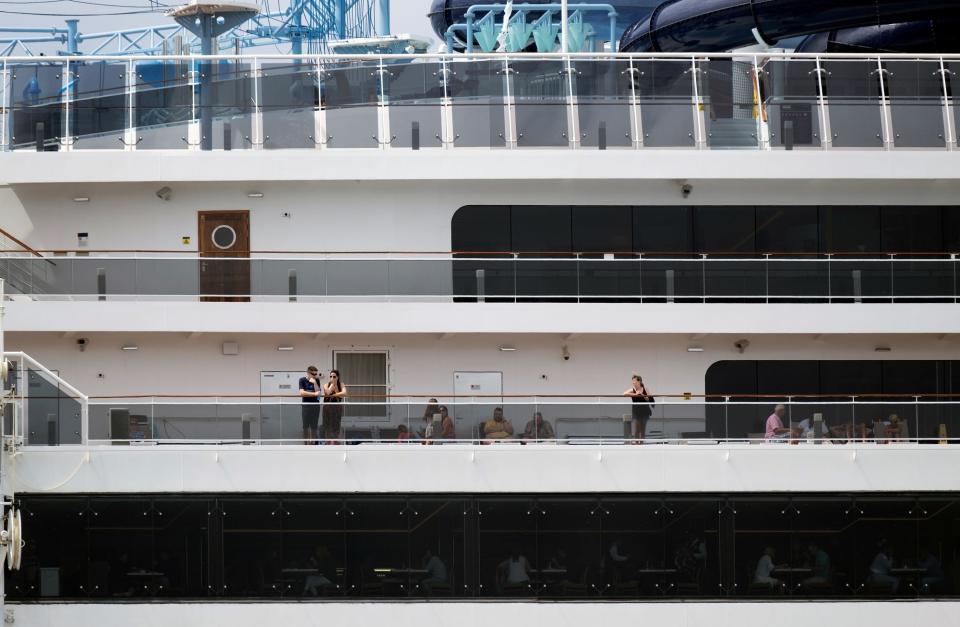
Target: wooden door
{"points": [[224, 244]]}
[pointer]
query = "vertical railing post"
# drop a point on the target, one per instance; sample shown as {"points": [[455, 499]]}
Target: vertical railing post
{"points": [[4, 104], [916, 418], [130, 139], [319, 136], [699, 130], [257, 138], [886, 119], [726, 417], [384, 137], [511, 136], [949, 121], [447, 136], [763, 128], [573, 115], [66, 138], [636, 121], [826, 134]]}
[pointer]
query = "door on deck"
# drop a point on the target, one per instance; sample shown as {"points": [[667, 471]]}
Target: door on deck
{"points": [[224, 238]]}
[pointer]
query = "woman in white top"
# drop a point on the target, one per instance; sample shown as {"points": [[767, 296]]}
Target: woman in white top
{"points": [[513, 571]]}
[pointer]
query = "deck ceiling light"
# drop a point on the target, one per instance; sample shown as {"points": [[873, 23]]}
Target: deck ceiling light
{"points": [[882, 349], [255, 195], [284, 348], [508, 349], [81, 199], [130, 347], [694, 349]]}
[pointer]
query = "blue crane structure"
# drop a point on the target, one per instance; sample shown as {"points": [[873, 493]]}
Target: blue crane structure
{"points": [[305, 26]]}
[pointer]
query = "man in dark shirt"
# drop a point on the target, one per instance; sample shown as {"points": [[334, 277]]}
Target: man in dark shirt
{"points": [[310, 411]]}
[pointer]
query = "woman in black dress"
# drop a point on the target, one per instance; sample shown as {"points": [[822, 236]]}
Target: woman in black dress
{"points": [[334, 391], [642, 401]]}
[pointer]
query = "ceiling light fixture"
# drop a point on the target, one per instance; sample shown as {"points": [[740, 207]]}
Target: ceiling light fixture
{"points": [[81, 199], [882, 349], [694, 349], [508, 349], [284, 348], [255, 195], [130, 347]]}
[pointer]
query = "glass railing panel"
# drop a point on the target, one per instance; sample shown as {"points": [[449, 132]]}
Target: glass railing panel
{"points": [[667, 280], [52, 415], [123, 421], [726, 279], [290, 278], [164, 107], [791, 102], [350, 94], [603, 91], [99, 105], [726, 89], [616, 278], [540, 90], [859, 279], [36, 106], [915, 93], [176, 278], [420, 277], [666, 100], [853, 99], [952, 70], [924, 280], [358, 277], [230, 104], [477, 91], [797, 280], [483, 278], [415, 91], [103, 277], [937, 421], [288, 98], [547, 278]]}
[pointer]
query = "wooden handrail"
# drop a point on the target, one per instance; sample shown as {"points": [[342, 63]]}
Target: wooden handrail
{"points": [[22, 245]]}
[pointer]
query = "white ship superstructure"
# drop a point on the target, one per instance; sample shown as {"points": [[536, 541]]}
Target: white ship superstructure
{"points": [[763, 237]]}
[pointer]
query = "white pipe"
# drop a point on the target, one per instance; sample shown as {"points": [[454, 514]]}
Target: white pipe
{"points": [[564, 27]]}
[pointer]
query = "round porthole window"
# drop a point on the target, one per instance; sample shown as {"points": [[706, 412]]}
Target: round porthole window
{"points": [[224, 237]]}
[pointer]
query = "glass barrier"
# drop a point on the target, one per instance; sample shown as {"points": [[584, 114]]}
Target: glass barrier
{"points": [[289, 98], [163, 105], [587, 278], [540, 91], [852, 93], [467, 101], [580, 547], [365, 420], [49, 413], [350, 94], [791, 90], [414, 94], [99, 113], [603, 92], [477, 89]]}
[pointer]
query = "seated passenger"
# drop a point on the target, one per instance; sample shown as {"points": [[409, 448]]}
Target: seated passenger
{"points": [[403, 434], [436, 571], [932, 571], [498, 428], [448, 430], [513, 571], [774, 427], [894, 428], [808, 428], [765, 567], [318, 582], [538, 429], [880, 568], [820, 562]]}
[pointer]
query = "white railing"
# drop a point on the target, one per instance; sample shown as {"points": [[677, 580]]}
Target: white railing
{"points": [[762, 101]]}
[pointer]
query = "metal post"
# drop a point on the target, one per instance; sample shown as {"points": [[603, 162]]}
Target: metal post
{"points": [[510, 135], [383, 17], [319, 136], [763, 128], [66, 142], [72, 38], [4, 107], [949, 124], [636, 121], [340, 15], [826, 137], [206, 79], [565, 27], [888, 140], [573, 115], [700, 139], [130, 141], [256, 124], [447, 136]]}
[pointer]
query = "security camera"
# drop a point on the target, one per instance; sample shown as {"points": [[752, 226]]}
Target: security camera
{"points": [[565, 353], [82, 343], [164, 193], [685, 190], [741, 345]]}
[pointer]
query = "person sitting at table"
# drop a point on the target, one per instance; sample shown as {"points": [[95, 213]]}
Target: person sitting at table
{"points": [[498, 427], [559, 560], [774, 425], [436, 571], [318, 582], [619, 561], [809, 428], [894, 429], [538, 429], [514, 571], [820, 563], [765, 567], [932, 571], [880, 568], [403, 434], [426, 428]]}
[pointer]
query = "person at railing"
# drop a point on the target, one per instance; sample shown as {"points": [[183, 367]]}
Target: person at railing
{"points": [[448, 430], [334, 391], [310, 410], [774, 425], [538, 429], [427, 428], [498, 427], [880, 568], [643, 402]]}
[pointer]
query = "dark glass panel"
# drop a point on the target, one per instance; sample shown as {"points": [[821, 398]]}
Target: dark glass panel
{"points": [[725, 229], [602, 229], [851, 229], [663, 229], [733, 378], [787, 229]]}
